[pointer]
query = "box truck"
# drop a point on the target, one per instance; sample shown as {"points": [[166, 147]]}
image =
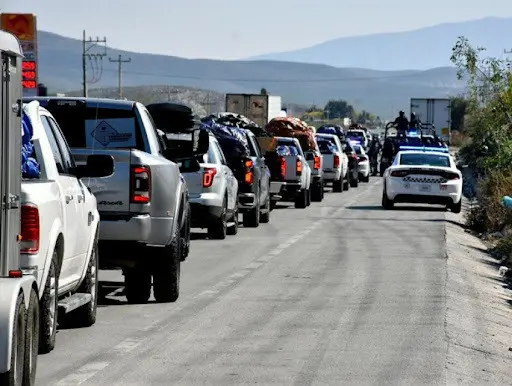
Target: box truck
{"points": [[257, 107], [436, 112]]}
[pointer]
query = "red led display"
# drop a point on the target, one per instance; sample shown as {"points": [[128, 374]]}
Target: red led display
{"points": [[29, 75], [29, 66], [29, 84]]}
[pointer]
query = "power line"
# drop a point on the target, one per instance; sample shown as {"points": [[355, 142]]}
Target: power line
{"points": [[97, 69], [357, 79], [120, 62]]}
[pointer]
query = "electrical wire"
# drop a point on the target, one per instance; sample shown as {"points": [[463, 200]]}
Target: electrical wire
{"points": [[355, 79]]}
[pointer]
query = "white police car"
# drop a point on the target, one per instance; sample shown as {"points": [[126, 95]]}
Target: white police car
{"points": [[423, 176]]}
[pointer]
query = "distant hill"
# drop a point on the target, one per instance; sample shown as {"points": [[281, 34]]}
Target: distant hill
{"points": [[379, 92], [419, 49]]}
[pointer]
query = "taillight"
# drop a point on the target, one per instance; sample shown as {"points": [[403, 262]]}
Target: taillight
{"points": [[282, 161], [363, 158], [208, 175], [354, 156], [298, 167], [29, 229], [452, 176], [337, 161], [141, 185], [399, 173], [249, 173], [316, 165]]}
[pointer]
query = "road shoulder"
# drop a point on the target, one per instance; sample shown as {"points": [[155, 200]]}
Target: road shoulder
{"points": [[479, 311]]}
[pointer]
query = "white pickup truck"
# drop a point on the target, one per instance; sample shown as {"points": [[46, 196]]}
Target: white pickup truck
{"points": [[59, 229]]}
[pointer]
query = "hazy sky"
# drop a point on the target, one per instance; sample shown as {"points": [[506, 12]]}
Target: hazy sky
{"points": [[232, 29]]}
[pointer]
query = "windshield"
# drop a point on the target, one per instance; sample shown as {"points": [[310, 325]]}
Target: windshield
{"points": [[424, 159]]}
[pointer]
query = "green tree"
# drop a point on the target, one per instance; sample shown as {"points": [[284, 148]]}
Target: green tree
{"points": [[364, 116], [338, 109], [264, 91], [458, 111]]}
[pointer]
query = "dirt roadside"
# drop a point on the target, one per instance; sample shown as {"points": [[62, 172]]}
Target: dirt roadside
{"points": [[478, 322]]}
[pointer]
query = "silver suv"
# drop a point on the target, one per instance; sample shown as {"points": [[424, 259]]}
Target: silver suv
{"points": [[213, 191]]}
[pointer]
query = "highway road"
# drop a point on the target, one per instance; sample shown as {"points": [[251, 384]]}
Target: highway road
{"points": [[342, 292]]}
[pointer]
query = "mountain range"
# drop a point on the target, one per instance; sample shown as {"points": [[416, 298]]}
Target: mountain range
{"points": [[382, 92], [419, 49]]}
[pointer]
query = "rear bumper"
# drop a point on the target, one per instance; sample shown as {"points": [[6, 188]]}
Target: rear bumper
{"points": [[141, 228], [246, 201], [332, 174], [442, 194]]}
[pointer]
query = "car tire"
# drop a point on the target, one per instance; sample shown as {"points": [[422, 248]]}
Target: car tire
{"points": [[308, 197], [31, 340], [251, 219], [137, 282], [366, 179], [233, 230], [49, 308], [185, 236], [346, 182], [15, 374], [85, 316], [337, 186], [218, 227], [457, 208], [166, 276], [386, 202], [354, 182], [317, 192], [265, 216], [301, 200]]}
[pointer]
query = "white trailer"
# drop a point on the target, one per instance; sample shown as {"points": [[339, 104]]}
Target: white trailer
{"points": [[258, 108], [436, 112], [19, 302]]}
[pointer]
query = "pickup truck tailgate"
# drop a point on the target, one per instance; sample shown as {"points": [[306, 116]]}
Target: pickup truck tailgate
{"points": [[291, 168], [113, 192]]}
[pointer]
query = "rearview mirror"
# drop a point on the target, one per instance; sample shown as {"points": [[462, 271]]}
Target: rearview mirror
{"points": [[98, 165], [181, 146]]}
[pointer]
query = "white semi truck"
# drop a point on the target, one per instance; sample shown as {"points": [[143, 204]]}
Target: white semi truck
{"points": [[434, 112], [257, 107], [19, 301]]}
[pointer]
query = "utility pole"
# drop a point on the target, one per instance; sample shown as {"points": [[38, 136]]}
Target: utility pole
{"points": [[120, 62], [87, 45]]}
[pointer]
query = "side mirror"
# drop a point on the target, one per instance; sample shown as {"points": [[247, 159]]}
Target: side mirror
{"points": [[98, 165]]}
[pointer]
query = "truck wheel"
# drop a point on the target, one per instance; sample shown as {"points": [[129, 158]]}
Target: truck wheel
{"points": [[49, 307], [251, 219], [346, 182], [15, 375], [233, 230], [265, 216], [185, 237], [457, 208], [137, 283], [85, 316], [317, 192], [308, 197], [218, 226], [301, 201], [31, 340], [354, 182], [166, 277], [337, 186]]}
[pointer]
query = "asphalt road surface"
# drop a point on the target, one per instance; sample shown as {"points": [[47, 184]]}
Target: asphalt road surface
{"points": [[342, 292]]}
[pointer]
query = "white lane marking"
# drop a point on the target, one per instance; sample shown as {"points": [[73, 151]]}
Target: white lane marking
{"points": [[83, 373], [90, 370], [115, 292]]}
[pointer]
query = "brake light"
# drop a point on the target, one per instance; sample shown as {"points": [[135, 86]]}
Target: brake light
{"points": [[337, 161], [298, 167], [140, 185], [453, 176], [249, 174], [363, 158], [30, 229], [208, 175], [282, 161], [316, 164], [399, 173]]}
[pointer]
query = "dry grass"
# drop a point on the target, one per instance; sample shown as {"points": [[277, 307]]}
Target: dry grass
{"points": [[459, 139]]}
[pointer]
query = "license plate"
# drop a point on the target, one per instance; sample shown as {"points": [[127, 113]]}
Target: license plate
{"points": [[425, 188]]}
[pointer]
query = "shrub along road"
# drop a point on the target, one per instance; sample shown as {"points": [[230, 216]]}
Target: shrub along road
{"points": [[341, 292]]}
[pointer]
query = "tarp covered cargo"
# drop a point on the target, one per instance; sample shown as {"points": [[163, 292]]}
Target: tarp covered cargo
{"points": [[232, 140], [292, 127], [172, 117], [30, 168], [334, 130]]}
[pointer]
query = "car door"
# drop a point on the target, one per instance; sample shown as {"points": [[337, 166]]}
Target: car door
{"points": [[263, 169], [68, 187]]}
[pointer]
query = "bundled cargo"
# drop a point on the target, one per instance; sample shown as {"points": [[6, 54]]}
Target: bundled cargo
{"points": [[292, 127], [232, 140], [172, 117], [332, 129]]}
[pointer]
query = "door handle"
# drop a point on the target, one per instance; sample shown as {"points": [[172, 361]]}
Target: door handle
{"points": [[81, 198], [69, 198]]}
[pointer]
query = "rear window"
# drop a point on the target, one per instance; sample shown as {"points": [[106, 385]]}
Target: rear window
{"points": [[327, 147], [102, 127], [358, 150], [425, 159]]}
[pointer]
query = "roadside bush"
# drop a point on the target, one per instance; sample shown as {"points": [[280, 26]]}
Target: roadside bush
{"points": [[459, 139], [490, 215]]}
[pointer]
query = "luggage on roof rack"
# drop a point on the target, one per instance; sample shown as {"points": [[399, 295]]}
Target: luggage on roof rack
{"points": [[292, 127], [172, 117]]}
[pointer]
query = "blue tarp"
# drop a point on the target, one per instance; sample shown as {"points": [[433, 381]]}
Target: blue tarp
{"points": [[232, 140], [331, 130], [507, 201], [29, 166]]}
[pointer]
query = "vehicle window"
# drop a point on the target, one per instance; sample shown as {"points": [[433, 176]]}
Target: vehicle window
{"points": [[53, 144], [326, 147], [155, 142], [255, 145], [211, 156], [98, 127], [358, 150], [422, 159], [67, 157], [221, 154]]}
